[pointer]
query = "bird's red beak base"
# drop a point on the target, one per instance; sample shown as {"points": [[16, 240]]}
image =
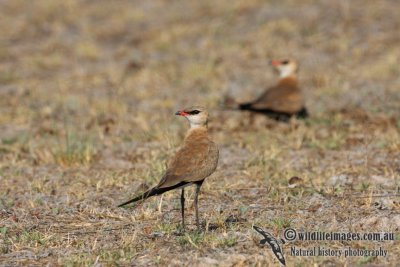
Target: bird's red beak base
{"points": [[275, 62], [181, 113]]}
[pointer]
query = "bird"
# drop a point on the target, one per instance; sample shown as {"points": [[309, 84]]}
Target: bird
{"points": [[194, 161], [282, 101]]}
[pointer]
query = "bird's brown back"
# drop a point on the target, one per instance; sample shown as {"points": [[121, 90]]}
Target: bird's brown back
{"points": [[194, 161], [285, 97]]}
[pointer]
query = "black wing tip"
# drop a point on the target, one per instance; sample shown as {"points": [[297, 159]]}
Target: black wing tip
{"points": [[276, 115], [122, 205], [142, 197], [303, 113], [245, 106], [152, 192]]}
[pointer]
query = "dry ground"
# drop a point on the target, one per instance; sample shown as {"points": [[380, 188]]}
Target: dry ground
{"points": [[88, 91]]}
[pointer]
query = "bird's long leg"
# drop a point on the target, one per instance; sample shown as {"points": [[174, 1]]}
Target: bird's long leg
{"points": [[198, 185], [183, 208]]}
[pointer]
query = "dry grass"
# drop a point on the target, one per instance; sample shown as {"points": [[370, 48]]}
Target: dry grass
{"points": [[76, 139]]}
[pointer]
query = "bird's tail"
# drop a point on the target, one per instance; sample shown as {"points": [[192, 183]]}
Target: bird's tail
{"points": [[152, 192], [245, 106], [303, 113], [145, 195]]}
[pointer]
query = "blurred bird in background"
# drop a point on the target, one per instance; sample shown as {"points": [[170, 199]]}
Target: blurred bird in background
{"points": [[280, 102]]}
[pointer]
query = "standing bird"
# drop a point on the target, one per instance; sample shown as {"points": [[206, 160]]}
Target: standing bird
{"points": [[283, 100], [193, 162]]}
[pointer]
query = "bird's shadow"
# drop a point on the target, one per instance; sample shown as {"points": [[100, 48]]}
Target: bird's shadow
{"points": [[209, 227]]}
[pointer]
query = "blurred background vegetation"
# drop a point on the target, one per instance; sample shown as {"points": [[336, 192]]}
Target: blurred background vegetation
{"points": [[87, 95]]}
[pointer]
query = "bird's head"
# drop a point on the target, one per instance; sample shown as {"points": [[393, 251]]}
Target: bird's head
{"points": [[197, 116], [286, 68]]}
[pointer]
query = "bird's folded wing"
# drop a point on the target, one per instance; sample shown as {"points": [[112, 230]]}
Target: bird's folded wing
{"points": [[281, 99], [193, 162]]}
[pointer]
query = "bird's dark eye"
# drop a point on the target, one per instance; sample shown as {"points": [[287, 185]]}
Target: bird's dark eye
{"points": [[194, 112], [285, 62]]}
